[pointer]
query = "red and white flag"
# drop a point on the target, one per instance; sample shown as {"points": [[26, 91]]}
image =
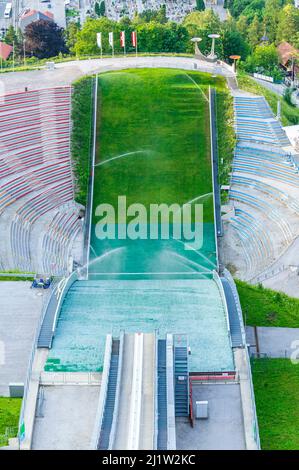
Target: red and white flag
{"points": [[122, 39], [134, 38]]}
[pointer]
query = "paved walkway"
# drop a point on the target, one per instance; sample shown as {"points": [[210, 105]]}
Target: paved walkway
{"points": [[66, 418], [282, 275], [273, 341], [20, 312], [223, 430], [67, 72]]}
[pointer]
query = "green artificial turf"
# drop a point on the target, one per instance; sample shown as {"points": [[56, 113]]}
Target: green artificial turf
{"points": [[276, 387], [265, 307], [9, 415], [164, 116]]}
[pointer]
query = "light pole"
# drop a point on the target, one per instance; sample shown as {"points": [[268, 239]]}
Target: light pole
{"points": [[212, 56], [24, 46]]}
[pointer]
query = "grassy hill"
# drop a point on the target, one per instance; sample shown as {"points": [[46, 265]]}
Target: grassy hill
{"points": [[158, 121], [276, 387], [265, 307]]}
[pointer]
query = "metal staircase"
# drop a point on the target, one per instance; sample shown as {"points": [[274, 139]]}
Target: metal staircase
{"points": [[181, 383], [103, 443], [162, 396], [46, 333]]}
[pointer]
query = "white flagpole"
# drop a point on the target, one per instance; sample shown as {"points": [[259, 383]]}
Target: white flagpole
{"points": [[136, 44], [13, 56]]}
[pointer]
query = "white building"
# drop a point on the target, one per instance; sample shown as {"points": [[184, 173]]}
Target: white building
{"points": [[176, 10]]}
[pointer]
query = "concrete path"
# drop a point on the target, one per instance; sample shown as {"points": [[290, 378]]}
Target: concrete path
{"points": [[223, 430], [274, 341], [67, 72], [282, 275], [20, 312], [66, 418]]}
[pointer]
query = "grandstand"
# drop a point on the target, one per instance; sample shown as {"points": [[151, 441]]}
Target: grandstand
{"points": [[263, 216], [39, 219], [146, 328]]}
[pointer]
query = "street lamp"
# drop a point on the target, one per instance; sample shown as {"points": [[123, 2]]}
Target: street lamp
{"points": [[235, 58], [212, 56]]}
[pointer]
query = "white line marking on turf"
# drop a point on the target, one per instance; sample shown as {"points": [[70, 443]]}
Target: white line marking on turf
{"points": [[196, 84], [120, 156], [196, 198]]}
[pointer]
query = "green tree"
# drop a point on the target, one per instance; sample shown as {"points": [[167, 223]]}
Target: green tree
{"points": [[200, 5], [265, 60], [242, 25], [201, 24], [161, 15], [255, 7], [15, 37], [157, 37], [71, 35], [288, 24], [234, 43], [86, 43], [266, 56], [254, 32], [271, 18], [11, 35], [154, 15], [100, 8]]}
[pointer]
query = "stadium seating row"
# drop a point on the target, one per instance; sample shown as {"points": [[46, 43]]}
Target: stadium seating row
{"points": [[260, 166], [37, 209]]}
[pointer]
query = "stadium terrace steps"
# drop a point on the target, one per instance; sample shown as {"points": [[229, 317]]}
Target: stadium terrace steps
{"points": [[103, 443], [260, 165], [255, 121], [162, 396], [36, 180], [181, 373]]}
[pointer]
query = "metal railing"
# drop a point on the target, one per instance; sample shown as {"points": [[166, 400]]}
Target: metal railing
{"points": [[46, 300], [255, 430], [117, 392], [103, 393]]}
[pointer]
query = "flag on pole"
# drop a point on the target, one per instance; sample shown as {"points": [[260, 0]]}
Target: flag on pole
{"points": [[111, 40], [99, 40], [122, 39], [134, 38]]}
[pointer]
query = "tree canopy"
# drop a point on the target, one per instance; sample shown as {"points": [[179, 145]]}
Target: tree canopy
{"points": [[44, 39]]}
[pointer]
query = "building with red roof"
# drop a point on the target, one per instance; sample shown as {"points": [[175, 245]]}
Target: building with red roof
{"points": [[5, 50]]}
